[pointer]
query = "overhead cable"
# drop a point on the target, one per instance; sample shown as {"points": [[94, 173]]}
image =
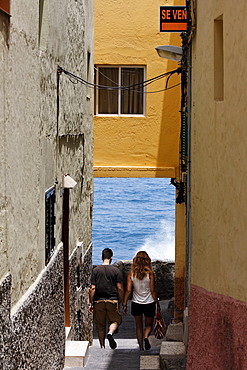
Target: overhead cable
{"points": [[75, 79]]}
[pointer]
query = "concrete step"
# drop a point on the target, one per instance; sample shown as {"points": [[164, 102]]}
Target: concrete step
{"points": [[76, 353], [149, 363], [174, 332], [126, 356], [172, 356]]}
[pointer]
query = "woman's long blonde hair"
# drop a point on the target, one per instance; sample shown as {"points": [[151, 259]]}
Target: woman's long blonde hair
{"points": [[141, 265]]}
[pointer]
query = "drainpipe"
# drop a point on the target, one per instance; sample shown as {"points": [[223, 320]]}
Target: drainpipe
{"points": [[188, 55], [67, 184], [188, 190]]}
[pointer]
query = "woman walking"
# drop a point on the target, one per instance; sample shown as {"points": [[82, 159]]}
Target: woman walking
{"points": [[144, 300]]}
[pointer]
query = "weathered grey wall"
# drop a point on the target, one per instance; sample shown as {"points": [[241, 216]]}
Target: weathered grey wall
{"points": [[80, 221], [33, 336], [31, 123], [42, 139]]}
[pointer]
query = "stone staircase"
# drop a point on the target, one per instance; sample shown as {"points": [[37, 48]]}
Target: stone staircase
{"points": [[172, 349], [166, 354], [125, 357]]}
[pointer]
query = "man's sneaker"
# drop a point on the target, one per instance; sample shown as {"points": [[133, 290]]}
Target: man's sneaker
{"points": [[146, 344], [112, 342]]}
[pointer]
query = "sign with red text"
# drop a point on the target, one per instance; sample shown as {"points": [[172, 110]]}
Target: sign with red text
{"points": [[173, 18]]}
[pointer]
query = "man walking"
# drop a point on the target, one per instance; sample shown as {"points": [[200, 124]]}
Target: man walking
{"points": [[105, 290]]}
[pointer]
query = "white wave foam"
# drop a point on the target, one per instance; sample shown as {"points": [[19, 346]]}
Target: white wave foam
{"points": [[161, 245]]}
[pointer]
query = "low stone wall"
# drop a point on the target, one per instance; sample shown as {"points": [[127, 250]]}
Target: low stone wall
{"points": [[5, 323], [33, 336], [164, 276], [80, 277]]}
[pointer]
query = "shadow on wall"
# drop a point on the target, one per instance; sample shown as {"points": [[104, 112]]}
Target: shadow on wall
{"points": [[71, 146], [5, 26]]}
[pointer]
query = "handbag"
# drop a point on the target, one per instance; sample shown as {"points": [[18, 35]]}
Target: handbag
{"points": [[159, 326]]}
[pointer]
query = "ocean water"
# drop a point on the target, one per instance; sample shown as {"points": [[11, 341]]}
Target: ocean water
{"points": [[132, 214]]}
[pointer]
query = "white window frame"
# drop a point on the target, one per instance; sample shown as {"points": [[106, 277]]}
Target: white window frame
{"points": [[119, 91]]}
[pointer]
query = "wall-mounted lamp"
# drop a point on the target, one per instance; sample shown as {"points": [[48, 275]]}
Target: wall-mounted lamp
{"points": [[68, 182], [170, 52]]}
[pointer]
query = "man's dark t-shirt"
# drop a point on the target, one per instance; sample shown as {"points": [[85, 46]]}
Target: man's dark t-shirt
{"points": [[105, 278]]}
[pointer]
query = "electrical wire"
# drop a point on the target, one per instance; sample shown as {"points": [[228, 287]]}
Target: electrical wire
{"points": [[75, 79], [145, 83]]}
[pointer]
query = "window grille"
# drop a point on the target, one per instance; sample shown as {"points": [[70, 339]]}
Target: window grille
{"points": [[50, 199]]}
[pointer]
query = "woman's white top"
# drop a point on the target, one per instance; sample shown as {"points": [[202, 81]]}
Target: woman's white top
{"points": [[141, 291]]}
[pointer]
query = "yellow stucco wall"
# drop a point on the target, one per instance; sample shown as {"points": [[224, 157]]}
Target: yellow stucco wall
{"points": [[127, 33], [219, 136]]}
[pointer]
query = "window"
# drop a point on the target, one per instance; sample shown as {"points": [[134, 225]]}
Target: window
{"points": [[50, 199], [116, 101], [5, 5], [218, 59]]}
